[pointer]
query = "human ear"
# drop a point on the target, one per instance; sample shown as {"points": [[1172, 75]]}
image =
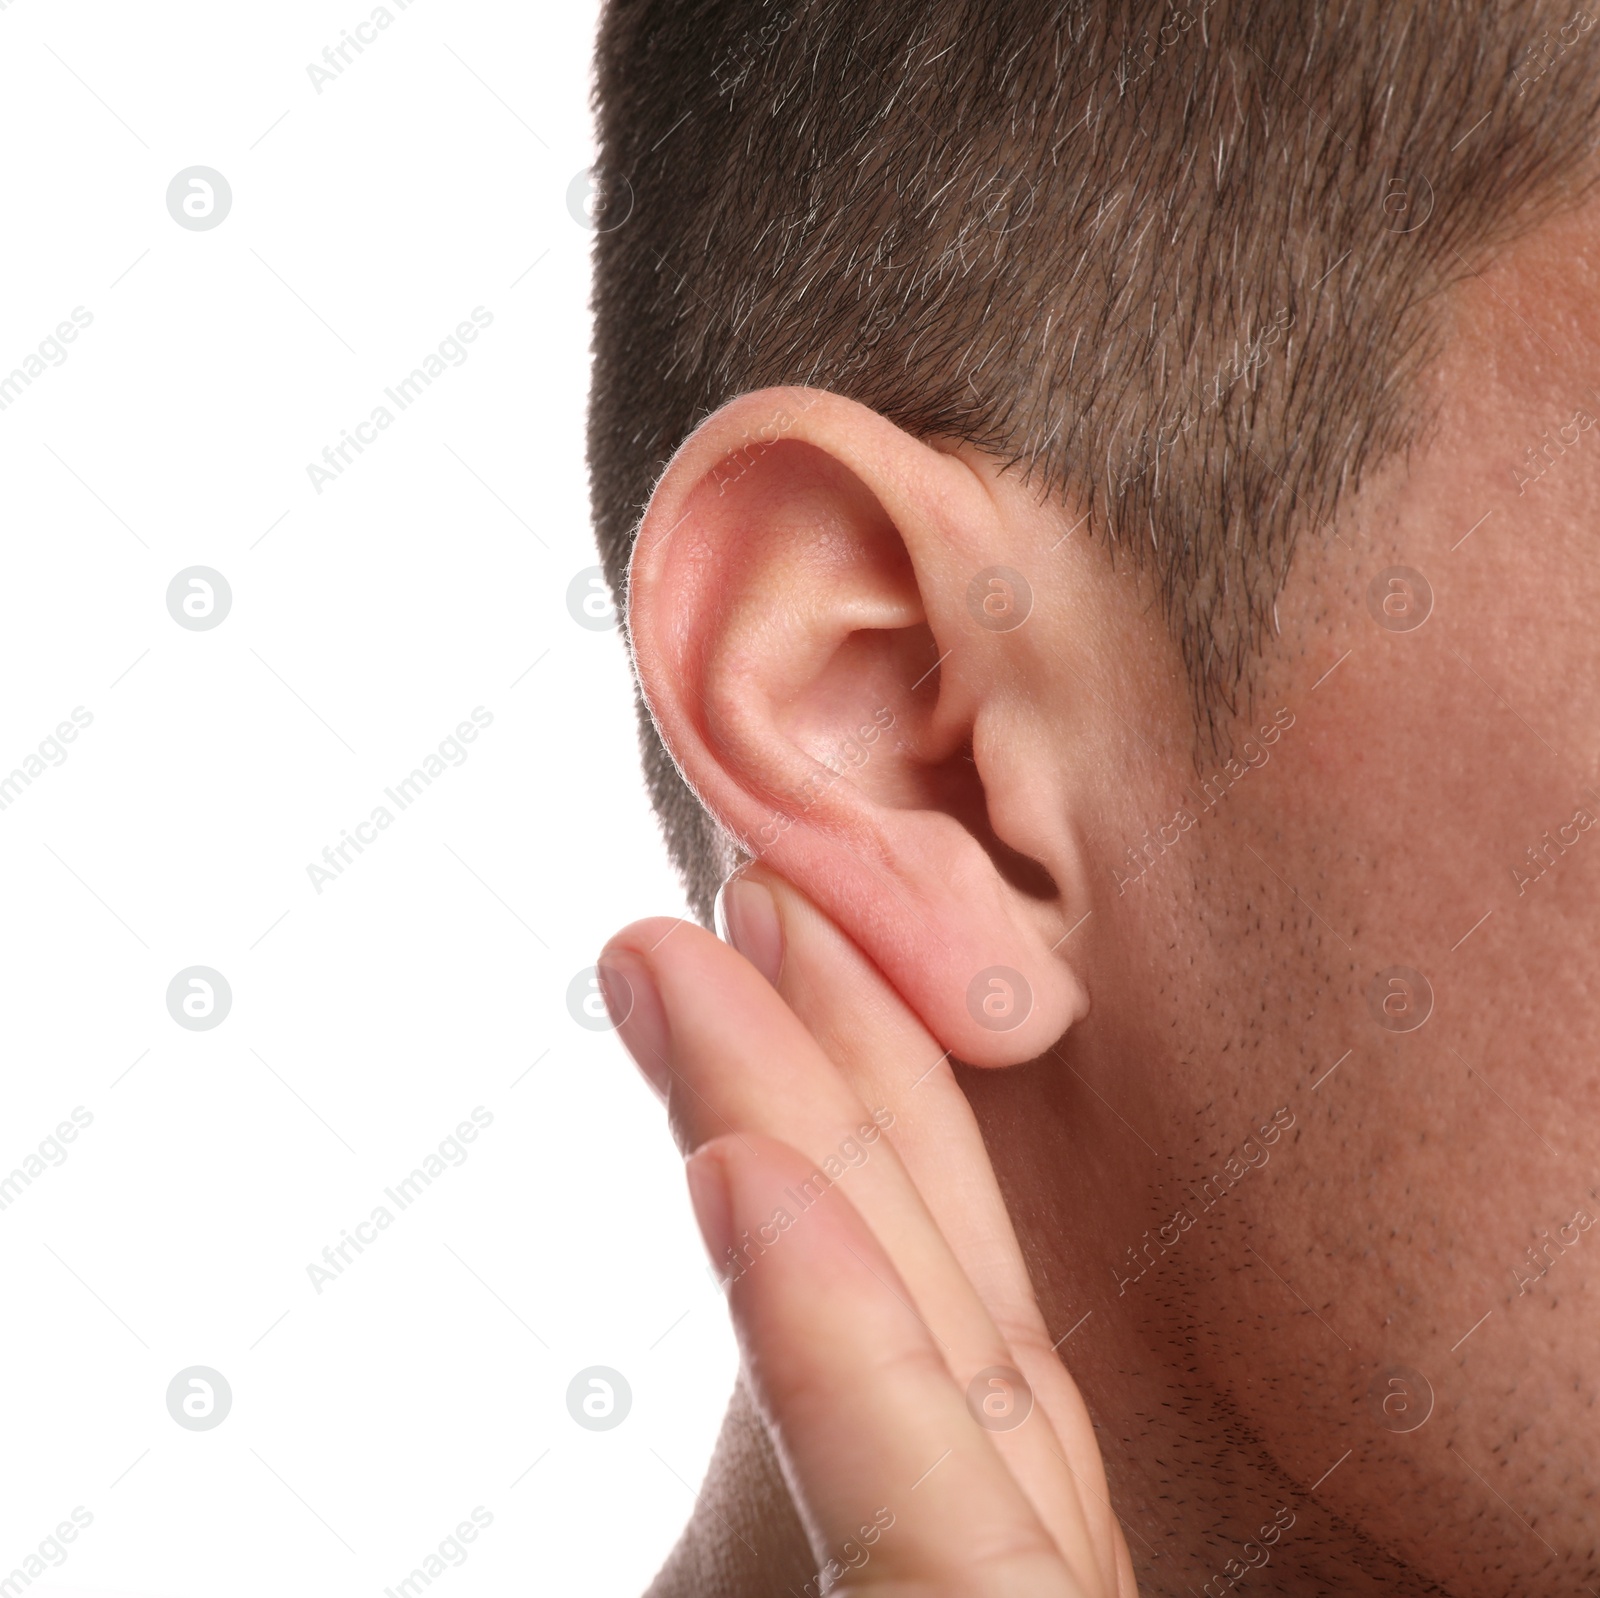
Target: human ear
{"points": [[831, 633]]}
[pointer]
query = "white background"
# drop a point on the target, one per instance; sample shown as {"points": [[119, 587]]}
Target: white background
{"points": [[431, 975]]}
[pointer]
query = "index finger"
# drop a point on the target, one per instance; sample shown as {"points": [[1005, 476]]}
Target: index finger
{"points": [[736, 1059]]}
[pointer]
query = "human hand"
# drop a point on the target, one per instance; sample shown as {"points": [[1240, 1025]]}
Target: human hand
{"points": [[931, 1439]]}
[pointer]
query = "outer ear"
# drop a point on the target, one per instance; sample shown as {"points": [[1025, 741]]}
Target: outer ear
{"points": [[824, 615]]}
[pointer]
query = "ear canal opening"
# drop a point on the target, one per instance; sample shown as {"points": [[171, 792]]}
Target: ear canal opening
{"points": [[1018, 870], [1022, 872]]}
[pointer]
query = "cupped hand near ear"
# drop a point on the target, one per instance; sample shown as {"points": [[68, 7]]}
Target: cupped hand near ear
{"points": [[932, 1441]]}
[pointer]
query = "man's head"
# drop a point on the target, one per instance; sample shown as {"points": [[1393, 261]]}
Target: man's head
{"points": [[1133, 537]]}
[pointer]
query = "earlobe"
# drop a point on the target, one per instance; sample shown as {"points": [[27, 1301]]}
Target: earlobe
{"points": [[818, 659]]}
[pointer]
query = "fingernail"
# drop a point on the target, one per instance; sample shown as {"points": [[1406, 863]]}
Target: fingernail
{"points": [[634, 1004], [747, 918], [713, 1203]]}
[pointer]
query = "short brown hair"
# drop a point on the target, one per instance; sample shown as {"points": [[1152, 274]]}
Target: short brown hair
{"points": [[1179, 259]]}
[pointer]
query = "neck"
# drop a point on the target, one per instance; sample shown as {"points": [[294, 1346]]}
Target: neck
{"points": [[1201, 1500]]}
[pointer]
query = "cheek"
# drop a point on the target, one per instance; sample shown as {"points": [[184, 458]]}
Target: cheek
{"points": [[1380, 949]]}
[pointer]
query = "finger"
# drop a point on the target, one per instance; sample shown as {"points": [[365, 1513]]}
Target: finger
{"points": [[895, 1482], [885, 1053], [735, 1059]]}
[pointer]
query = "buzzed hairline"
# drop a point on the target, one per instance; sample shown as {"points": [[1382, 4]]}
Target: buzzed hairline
{"points": [[1186, 275]]}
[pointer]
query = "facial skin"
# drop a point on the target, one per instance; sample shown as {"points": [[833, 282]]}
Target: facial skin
{"points": [[1238, 1360], [1383, 830]]}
